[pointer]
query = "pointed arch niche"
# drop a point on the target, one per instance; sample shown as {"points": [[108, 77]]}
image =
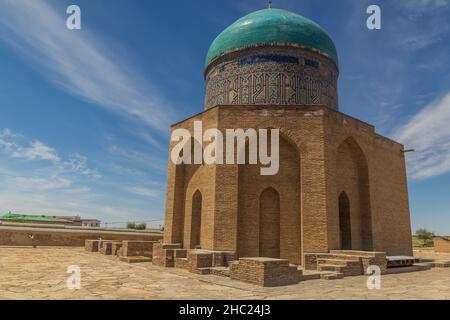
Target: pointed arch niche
{"points": [[355, 221]]}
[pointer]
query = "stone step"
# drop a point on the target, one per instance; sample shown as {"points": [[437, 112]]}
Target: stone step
{"points": [[347, 270], [441, 264], [356, 253], [220, 271], [331, 275], [181, 263], [338, 256], [415, 268], [344, 257], [340, 262], [330, 267], [135, 259], [310, 275]]}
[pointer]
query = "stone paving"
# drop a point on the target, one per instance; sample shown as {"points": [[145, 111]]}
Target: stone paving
{"points": [[27, 273]]}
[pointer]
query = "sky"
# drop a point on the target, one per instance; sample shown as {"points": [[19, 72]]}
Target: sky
{"points": [[85, 114]]}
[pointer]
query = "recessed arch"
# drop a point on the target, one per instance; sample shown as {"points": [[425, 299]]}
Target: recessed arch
{"points": [[352, 176], [287, 183], [345, 227], [196, 219], [269, 223]]}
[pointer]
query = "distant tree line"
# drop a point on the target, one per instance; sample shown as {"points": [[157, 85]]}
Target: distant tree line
{"points": [[136, 226]]}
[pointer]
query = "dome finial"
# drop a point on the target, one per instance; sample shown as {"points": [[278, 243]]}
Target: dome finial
{"points": [[270, 4]]}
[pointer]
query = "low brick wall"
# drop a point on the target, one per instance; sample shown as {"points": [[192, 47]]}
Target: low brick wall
{"points": [[63, 237], [264, 272], [164, 254], [92, 245], [199, 259], [116, 247], [137, 248], [442, 245]]}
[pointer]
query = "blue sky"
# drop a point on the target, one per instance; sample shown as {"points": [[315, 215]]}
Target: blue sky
{"points": [[85, 115]]}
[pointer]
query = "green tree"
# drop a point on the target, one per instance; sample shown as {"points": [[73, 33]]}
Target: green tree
{"points": [[131, 225], [141, 226], [426, 237]]}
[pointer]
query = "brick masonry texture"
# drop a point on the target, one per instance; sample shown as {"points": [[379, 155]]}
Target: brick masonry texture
{"points": [[323, 153], [137, 248], [441, 245], [54, 237], [116, 247], [351, 262], [265, 272], [92, 245], [107, 247], [164, 254]]}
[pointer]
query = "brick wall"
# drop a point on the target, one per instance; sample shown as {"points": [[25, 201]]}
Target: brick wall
{"points": [[52, 237], [264, 272], [137, 248], [183, 183], [322, 152], [386, 202], [441, 245]]}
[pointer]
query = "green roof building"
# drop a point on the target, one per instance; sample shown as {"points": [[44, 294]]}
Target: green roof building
{"points": [[19, 218]]}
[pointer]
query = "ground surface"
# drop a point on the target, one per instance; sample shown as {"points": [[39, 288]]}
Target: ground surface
{"points": [[429, 254], [27, 273]]}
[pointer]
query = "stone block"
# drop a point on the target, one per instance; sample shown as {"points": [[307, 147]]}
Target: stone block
{"points": [[116, 246], [200, 259], [92, 245], [107, 247], [222, 259], [265, 272], [164, 254], [137, 248]]}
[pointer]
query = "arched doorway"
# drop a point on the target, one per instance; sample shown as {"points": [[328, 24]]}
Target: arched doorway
{"points": [[345, 225], [269, 224], [196, 224], [353, 177]]}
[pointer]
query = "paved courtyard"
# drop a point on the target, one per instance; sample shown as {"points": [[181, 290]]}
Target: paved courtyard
{"points": [[27, 273]]}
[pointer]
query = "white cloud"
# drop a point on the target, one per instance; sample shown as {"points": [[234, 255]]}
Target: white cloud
{"points": [[428, 132], [40, 184], [145, 192], [52, 174], [36, 151], [423, 6], [79, 63], [13, 146], [7, 133], [78, 163], [419, 24], [125, 170], [64, 187], [151, 160]]}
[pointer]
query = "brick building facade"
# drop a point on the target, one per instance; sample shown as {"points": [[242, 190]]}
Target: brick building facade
{"points": [[340, 186]]}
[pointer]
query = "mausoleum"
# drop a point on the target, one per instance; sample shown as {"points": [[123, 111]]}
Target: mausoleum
{"points": [[341, 186]]}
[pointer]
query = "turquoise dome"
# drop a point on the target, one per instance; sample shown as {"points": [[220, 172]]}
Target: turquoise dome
{"points": [[272, 27]]}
